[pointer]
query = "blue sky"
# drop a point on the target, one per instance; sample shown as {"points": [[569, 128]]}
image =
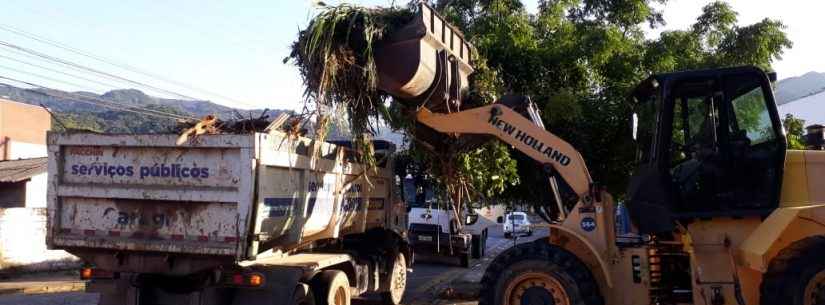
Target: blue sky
{"points": [[235, 48]]}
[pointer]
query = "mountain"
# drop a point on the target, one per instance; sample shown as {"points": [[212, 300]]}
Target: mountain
{"points": [[794, 88], [810, 108], [80, 115]]}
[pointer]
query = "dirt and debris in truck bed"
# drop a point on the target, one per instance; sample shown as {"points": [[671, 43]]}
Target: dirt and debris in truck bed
{"points": [[211, 124]]}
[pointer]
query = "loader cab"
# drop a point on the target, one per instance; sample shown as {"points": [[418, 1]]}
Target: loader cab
{"points": [[710, 144]]}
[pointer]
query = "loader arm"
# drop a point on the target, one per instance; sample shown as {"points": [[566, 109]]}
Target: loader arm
{"points": [[513, 128]]}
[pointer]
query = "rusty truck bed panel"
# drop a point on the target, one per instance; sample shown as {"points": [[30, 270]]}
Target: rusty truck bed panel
{"points": [[145, 193]]}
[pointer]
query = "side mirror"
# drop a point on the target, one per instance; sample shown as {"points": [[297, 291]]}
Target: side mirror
{"points": [[635, 125], [500, 219]]}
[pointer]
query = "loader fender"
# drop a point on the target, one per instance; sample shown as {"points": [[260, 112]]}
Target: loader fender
{"points": [[585, 251], [781, 229]]}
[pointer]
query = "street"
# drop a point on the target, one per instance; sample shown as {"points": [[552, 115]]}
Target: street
{"points": [[426, 284]]}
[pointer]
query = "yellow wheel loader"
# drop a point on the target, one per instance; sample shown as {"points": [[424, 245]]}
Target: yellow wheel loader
{"points": [[721, 212]]}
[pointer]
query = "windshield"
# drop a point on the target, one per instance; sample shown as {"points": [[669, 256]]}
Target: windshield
{"points": [[517, 217], [417, 196]]}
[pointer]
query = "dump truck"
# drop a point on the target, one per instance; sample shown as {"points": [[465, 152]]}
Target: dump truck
{"points": [[435, 230], [257, 218]]}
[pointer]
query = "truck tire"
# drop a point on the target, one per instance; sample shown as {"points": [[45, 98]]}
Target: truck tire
{"points": [[476, 247], [397, 281], [303, 295], [484, 243], [331, 287], [508, 235], [538, 273], [465, 258], [796, 276]]}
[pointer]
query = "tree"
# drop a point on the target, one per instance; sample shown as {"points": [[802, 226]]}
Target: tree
{"points": [[795, 131]]}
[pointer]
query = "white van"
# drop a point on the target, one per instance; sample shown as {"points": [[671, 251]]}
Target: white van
{"points": [[517, 223]]}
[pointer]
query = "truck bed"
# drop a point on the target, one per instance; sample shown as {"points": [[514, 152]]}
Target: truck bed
{"points": [[142, 203]]}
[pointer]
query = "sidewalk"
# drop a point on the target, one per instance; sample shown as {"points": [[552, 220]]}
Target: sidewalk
{"points": [[42, 283]]}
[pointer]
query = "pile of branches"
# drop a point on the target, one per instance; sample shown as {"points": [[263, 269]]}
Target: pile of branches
{"points": [[334, 55]]}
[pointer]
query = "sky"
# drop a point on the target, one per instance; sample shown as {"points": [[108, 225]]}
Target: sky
{"points": [[231, 52]]}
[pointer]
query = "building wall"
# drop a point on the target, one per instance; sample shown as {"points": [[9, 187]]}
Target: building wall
{"points": [[23, 130], [23, 242], [23, 150], [36, 191]]}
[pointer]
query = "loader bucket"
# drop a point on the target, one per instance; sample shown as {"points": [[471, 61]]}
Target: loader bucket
{"points": [[426, 61]]}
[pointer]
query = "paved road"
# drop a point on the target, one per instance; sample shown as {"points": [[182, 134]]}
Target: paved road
{"points": [[429, 277]]}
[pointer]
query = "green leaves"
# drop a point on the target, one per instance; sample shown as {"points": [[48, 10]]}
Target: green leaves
{"points": [[795, 130], [490, 169]]}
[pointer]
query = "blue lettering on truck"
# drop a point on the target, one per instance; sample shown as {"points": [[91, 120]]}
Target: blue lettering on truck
{"points": [[156, 170]]}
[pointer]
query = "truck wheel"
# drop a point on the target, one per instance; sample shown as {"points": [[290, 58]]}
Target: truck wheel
{"points": [[796, 276], [465, 260], [484, 243], [476, 246], [303, 295], [508, 235], [331, 287], [538, 273], [397, 281]]}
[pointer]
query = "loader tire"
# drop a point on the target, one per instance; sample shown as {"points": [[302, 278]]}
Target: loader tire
{"points": [[331, 287], [538, 273], [796, 276], [303, 295]]}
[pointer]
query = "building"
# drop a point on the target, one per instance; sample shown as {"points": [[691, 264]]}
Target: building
{"points": [[23, 184], [23, 130], [815, 137]]}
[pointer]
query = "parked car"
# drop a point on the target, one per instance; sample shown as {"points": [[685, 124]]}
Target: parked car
{"points": [[517, 223]]}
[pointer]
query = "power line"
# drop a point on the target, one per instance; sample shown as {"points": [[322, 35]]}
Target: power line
{"points": [[106, 74], [57, 71], [42, 76], [114, 63], [94, 101], [47, 62]]}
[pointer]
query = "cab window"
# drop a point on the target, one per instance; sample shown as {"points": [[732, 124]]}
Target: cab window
{"points": [[752, 118]]}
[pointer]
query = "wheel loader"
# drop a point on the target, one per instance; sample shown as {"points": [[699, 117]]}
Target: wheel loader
{"points": [[720, 211]]}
